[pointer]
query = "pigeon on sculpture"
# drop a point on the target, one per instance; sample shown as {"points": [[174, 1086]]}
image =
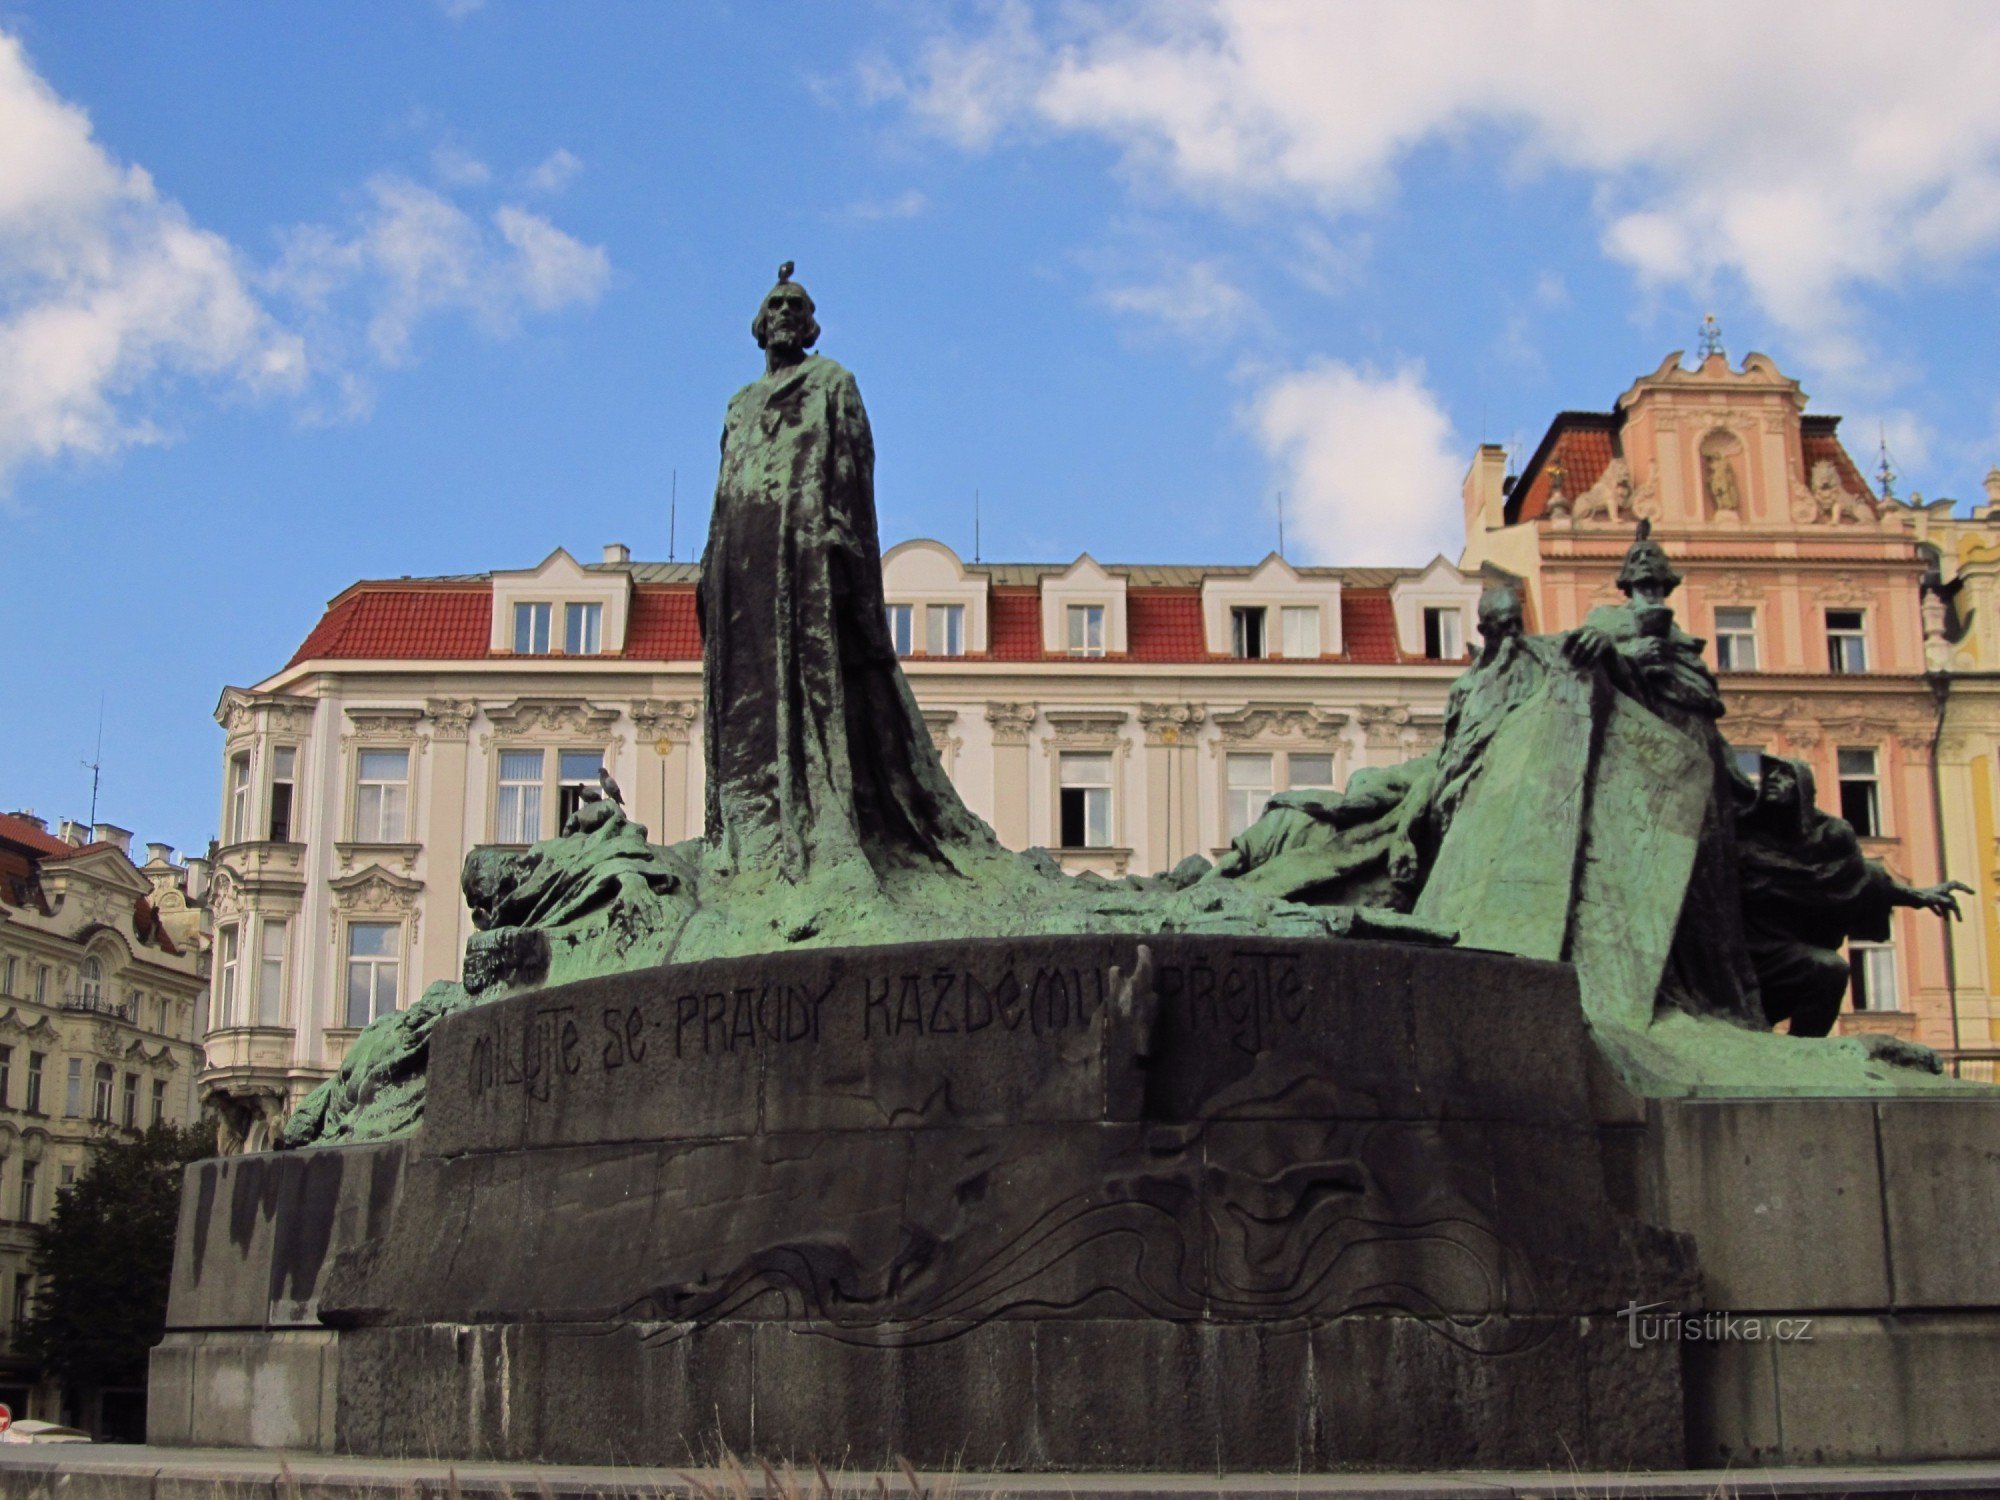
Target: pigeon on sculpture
{"points": [[609, 787]]}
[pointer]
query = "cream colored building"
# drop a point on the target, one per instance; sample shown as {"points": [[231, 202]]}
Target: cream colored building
{"points": [[1962, 645], [103, 997], [1124, 716]]}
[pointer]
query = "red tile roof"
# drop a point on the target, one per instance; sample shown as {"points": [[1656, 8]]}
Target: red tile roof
{"points": [[434, 622], [1014, 625], [664, 626], [1368, 627], [1165, 625], [1582, 452], [14, 831]]}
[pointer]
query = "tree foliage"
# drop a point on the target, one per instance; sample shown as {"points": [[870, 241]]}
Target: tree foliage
{"points": [[103, 1260]]}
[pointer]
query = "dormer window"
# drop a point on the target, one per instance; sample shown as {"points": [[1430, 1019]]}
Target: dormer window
{"points": [[1086, 630], [1246, 632], [531, 629], [901, 629], [583, 629], [944, 629], [1444, 635], [1301, 624]]}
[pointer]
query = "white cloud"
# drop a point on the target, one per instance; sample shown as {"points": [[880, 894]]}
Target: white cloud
{"points": [[1808, 147], [106, 288], [411, 254], [908, 204], [1195, 299], [1369, 463], [457, 167], [554, 172]]}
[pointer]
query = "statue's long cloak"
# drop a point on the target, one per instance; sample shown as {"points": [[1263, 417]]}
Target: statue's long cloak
{"points": [[817, 754]]}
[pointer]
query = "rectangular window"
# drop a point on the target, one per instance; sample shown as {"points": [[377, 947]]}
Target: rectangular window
{"points": [[1860, 802], [1301, 627], [1846, 640], [583, 629], [66, 1177], [1246, 632], [531, 629], [27, 1195], [73, 1090], [381, 796], [1871, 976], [271, 973], [284, 764], [901, 627], [1310, 773], [575, 770], [33, 1103], [1086, 630], [1086, 801], [373, 968], [227, 971], [518, 811], [9, 969], [1750, 762], [159, 1100], [41, 984], [6, 1073], [129, 1103], [23, 1291], [1444, 634], [100, 1093], [1736, 640], [1249, 790], [944, 629], [239, 797]]}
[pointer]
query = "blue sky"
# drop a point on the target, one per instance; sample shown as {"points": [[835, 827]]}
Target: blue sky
{"points": [[291, 297]]}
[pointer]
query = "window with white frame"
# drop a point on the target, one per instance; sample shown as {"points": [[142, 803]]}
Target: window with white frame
{"points": [[902, 628], [73, 1090], [944, 629], [239, 797], [6, 1073], [271, 972], [1246, 632], [1249, 779], [381, 796], [583, 629], [1085, 811], [100, 1092], [517, 808], [1444, 633], [374, 969], [1300, 626], [128, 1102], [1860, 794], [284, 769], [576, 770], [9, 974], [1736, 639], [41, 984], [90, 982], [1871, 976], [1086, 629], [228, 970], [1309, 771], [531, 629], [28, 1174], [159, 1100], [1846, 640], [32, 1104]]}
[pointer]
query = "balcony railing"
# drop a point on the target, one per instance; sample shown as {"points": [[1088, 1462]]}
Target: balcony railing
{"points": [[96, 1004]]}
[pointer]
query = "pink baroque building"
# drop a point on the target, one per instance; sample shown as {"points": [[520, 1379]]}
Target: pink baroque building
{"points": [[1805, 585]]}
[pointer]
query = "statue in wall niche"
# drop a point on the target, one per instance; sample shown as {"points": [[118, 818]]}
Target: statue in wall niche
{"points": [[1719, 479], [1807, 889]]}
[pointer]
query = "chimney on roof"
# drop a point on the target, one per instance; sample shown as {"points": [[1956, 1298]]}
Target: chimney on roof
{"points": [[72, 833], [617, 552], [197, 877], [27, 815], [159, 854], [1485, 491], [111, 833], [1993, 485]]}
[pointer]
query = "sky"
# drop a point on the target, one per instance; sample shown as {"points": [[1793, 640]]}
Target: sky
{"points": [[292, 297]]}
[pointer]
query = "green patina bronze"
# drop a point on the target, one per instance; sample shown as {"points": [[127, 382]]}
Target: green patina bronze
{"points": [[1583, 806]]}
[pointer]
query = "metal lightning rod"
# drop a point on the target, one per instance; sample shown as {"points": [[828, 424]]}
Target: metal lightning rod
{"points": [[673, 513]]}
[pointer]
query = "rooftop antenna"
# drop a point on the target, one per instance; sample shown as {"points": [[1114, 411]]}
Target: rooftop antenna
{"points": [[975, 524], [1281, 523], [1885, 472], [673, 513], [96, 764], [1711, 338]]}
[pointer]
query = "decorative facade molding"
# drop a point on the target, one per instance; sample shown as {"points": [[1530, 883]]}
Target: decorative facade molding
{"points": [[384, 726], [1011, 722], [572, 718], [1171, 723], [671, 719], [1086, 729], [375, 891], [1610, 499], [939, 721], [450, 718], [354, 856], [1296, 721], [242, 712]]}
